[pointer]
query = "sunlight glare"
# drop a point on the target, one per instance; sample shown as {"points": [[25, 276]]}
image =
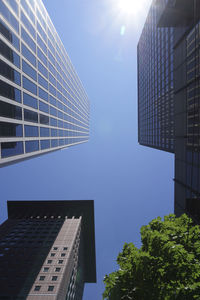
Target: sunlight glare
{"points": [[130, 7]]}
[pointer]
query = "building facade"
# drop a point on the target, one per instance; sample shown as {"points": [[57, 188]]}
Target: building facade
{"points": [[155, 84], [47, 250], [43, 105], [183, 18]]}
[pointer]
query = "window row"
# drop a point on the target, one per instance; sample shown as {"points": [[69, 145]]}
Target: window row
{"points": [[16, 148]]}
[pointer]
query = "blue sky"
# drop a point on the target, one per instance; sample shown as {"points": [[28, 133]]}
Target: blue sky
{"points": [[130, 184]]}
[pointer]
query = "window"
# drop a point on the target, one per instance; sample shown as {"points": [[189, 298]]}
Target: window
{"points": [[46, 269], [43, 94], [30, 100], [9, 73], [42, 278], [28, 55], [60, 261], [37, 287], [63, 254], [54, 278], [10, 130], [9, 16], [65, 248], [9, 35], [30, 116], [28, 40], [50, 288], [44, 131], [45, 144], [30, 147], [55, 248], [42, 82], [8, 53], [29, 70], [31, 131], [44, 119], [52, 254], [57, 269], [8, 91], [29, 85], [10, 111], [49, 261], [28, 25]]}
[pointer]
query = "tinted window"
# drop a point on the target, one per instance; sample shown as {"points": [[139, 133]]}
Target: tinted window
{"points": [[61, 142], [44, 131], [8, 53], [54, 143], [43, 107], [53, 111], [60, 123], [41, 56], [9, 35], [42, 69], [30, 101], [9, 16], [52, 90], [11, 149], [28, 10], [60, 114], [44, 119], [53, 132], [52, 100], [41, 31], [29, 85], [14, 6], [28, 40], [10, 73], [10, 130], [53, 122], [8, 91], [40, 17], [10, 111], [41, 44], [43, 94], [29, 70], [32, 146], [45, 144], [52, 69], [30, 116], [60, 132], [52, 79], [31, 130], [28, 55], [28, 25], [42, 81]]}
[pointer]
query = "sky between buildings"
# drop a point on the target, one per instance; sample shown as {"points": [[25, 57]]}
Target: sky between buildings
{"points": [[130, 184]]}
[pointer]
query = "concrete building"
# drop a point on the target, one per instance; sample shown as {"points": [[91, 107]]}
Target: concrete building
{"points": [[47, 250], [43, 105], [183, 17]]}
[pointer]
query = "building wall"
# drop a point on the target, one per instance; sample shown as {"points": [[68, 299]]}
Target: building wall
{"points": [[43, 105], [155, 84], [39, 258]]}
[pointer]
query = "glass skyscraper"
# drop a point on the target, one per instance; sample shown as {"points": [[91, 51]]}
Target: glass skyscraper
{"points": [[43, 105], [155, 84], [47, 250], [182, 19]]}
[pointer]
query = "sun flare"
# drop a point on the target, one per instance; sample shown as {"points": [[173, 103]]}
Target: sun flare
{"points": [[131, 7]]}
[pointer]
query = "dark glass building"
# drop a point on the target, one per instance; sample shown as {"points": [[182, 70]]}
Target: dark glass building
{"points": [[43, 105], [183, 18], [47, 250], [155, 84]]}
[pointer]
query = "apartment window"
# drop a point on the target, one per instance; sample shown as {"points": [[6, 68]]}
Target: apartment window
{"points": [[65, 248], [54, 278], [37, 287], [49, 261], [57, 269], [46, 269], [62, 254], [42, 278], [52, 254], [60, 261], [50, 288], [55, 248]]}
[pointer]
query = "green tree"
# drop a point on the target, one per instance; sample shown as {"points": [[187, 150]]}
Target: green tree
{"points": [[166, 267]]}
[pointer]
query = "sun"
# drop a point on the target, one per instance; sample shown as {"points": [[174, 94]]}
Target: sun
{"points": [[130, 7]]}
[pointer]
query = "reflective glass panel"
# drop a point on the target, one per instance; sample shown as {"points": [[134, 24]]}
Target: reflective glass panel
{"points": [[43, 107], [10, 111], [29, 85], [10, 130], [44, 119], [28, 55], [31, 146], [45, 144], [10, 73], [8, 53], [9, 35], [30, 116], [44, 131], [9, 16], [29, 70], [8, 91], [11, 149], [31, 130], [28, 40], [30, 101]]}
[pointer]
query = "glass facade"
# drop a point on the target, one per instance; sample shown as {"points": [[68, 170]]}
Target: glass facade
{"points": [[155, 85], [40, 91]]}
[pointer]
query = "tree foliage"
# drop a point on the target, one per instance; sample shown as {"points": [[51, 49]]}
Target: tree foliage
{"points": [[166, 267]]}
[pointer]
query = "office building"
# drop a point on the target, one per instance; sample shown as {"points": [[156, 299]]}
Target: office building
{"points": [[183, 17], [155, 84], [47, 250], [43, 105]]}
